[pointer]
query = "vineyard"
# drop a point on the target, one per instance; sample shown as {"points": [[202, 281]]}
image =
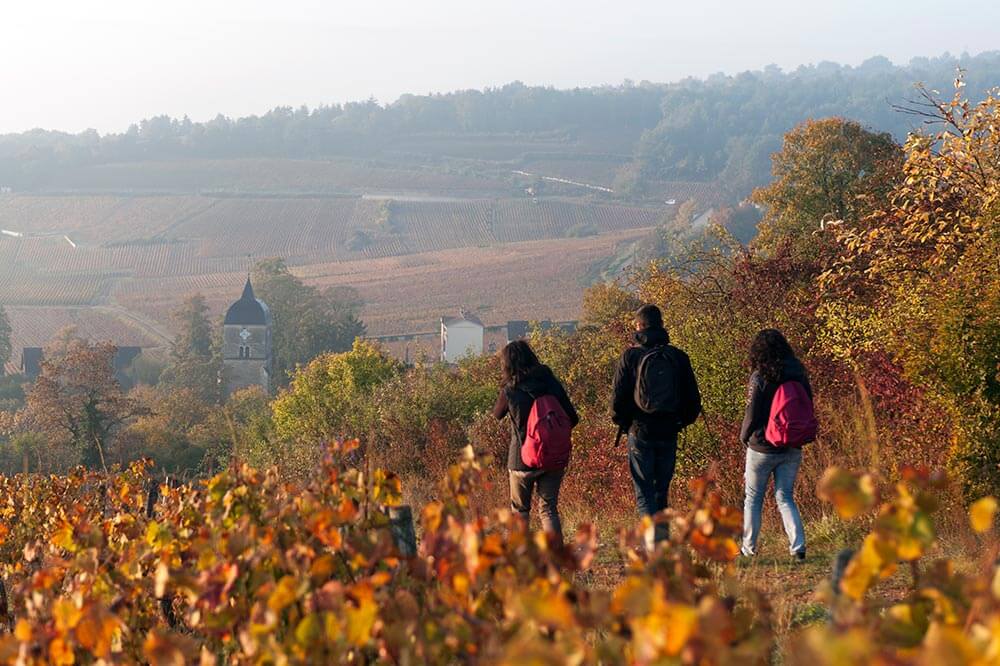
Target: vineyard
{"points": [[247, 568], [97, 220], [35, 326], [276, 175], [417, 259]]}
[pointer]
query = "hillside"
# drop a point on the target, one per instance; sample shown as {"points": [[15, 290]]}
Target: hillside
{"points": [[411, 259], [415, 202], [629, 138]]}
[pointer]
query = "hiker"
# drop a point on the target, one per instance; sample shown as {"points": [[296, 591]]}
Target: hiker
{"points": [[779, 420], [655, 397], [541, 418]]}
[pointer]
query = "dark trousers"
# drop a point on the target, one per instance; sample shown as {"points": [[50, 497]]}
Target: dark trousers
{"points": [[547, 482], [652, 467]]}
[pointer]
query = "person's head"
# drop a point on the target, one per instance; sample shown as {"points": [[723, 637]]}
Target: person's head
{"points": [[516, 361], [768, 353], [648, 316]]}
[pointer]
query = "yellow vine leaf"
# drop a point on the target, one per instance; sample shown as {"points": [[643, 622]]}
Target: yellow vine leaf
{"points": [[982, 513]]}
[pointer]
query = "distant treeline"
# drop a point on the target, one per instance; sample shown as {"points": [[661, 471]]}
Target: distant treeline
{"points": [[720, 128]]}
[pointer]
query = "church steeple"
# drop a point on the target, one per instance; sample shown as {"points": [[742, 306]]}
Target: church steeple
{"points": [[248, 292], [249, 310], [246, 347]]}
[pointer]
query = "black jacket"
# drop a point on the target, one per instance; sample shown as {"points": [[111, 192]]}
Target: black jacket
{"points": [[516, 401], [624, 411], [760, 394]]}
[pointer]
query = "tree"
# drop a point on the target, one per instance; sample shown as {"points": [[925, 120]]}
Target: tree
{"points": [[5, 331], [195, 353], [330, 397], [77, 400], [166, 430], [607, 302], [920, 276], [830, 170], [307, 322]]}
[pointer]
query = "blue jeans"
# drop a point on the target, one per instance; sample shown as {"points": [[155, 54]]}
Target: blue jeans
{"points": [[785, 467], [652, 467]]}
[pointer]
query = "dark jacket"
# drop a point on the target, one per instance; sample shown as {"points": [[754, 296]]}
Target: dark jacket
{"points": [[760, 394], [517, 400], [624, 411]]}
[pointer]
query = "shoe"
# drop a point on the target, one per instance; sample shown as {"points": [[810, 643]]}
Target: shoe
{"points": [[800, 557]]}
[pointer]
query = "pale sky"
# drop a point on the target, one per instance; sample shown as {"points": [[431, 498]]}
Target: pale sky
{"points": [[102, 64]]}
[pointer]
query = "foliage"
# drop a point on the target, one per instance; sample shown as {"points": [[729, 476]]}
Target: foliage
{"points": [[77, 401], [168, 431], [827, 171], [919, 277], [306, 322], [331, 395], [245, 568], [195, 352], [418, 417], [608, 302], [945, 617], [732, 124]]}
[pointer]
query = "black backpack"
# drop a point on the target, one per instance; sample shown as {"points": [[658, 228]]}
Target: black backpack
{"points": [[657, 383]]}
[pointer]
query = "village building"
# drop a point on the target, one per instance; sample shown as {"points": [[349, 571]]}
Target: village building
{"points": [[246, 344], [461, 337]]}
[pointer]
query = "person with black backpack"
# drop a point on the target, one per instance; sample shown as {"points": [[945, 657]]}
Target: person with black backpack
{"points": [[779, 421], [541, 420], [655, 396]]}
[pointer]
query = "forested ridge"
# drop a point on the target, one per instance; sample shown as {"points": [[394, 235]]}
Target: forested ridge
{"points": [[722, 128]]}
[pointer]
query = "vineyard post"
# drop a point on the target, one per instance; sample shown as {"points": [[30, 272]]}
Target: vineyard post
{"points": [[6, 618], [403, 532], [152, 496], [840, 563]]}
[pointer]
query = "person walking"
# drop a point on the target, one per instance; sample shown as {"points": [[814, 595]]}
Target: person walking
{"points": [[537, 421], [655, 396], [779, 420]]}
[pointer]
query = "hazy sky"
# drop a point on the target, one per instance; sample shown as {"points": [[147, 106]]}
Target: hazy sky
{"points": [[103, 64]]}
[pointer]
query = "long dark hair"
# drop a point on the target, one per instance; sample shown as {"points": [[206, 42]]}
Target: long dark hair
{"points": [[517, 360], [768, 353]]}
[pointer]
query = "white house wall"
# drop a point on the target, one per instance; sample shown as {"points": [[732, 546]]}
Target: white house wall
{"points": [[463, 339]]}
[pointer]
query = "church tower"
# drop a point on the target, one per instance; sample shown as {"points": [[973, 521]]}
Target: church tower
{"points": [[246, 343]]}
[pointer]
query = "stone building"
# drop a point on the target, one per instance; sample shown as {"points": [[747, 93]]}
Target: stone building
{"points": [[246, 343]]}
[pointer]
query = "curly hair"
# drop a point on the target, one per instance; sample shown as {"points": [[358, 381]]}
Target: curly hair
{"points": [[768, 352], [517, 360]]}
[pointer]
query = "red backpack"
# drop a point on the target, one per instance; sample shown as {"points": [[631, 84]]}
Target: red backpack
{"points": [[547, 439], [792, 422]]}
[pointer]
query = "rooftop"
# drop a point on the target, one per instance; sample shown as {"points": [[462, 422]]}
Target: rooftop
{"points": [[249, 310]]}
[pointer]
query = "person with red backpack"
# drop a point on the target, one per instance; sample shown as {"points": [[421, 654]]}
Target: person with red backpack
{"points": [[779, 421], [542, 419], [655, 396]]}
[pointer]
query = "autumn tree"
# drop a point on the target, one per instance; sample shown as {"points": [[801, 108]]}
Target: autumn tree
{"points": [[76, 400], [195, 355], [331, 396], [920, 276], [168, 431], [828, 170], [306, 321], [608, 302]]}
